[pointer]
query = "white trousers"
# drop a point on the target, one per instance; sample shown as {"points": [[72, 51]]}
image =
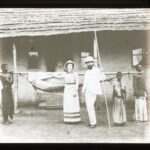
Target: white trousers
{"points": [[141, 109], [90, 101]]}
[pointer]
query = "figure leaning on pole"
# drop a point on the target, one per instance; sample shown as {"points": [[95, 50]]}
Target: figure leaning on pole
{"points": [[92, 88], [7, 98]]}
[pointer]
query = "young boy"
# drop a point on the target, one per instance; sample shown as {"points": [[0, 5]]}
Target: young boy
{"points": [[119, 97]]}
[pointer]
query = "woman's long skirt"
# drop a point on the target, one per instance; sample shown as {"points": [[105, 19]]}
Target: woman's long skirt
{"points": [[119, 111], [71, 107]]}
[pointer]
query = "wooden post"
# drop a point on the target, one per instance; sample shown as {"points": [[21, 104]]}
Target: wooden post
{"points": [[95, 53], [147, 80], [98, 52], [0, 94], [15, 78]]}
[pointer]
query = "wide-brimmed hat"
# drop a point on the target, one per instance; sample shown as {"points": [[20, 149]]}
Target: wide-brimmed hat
{"points": [[89, 59], [68, 62]]}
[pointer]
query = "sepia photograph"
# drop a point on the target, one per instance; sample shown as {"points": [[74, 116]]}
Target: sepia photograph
{"points": [[74, 75]]}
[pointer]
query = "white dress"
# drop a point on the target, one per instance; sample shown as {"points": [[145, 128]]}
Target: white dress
{"points": [[71, 107]]}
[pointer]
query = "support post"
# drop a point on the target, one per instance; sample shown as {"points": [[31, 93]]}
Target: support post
{"points": [[95, 54], [147, 80], [100, 63], [15, 79]]}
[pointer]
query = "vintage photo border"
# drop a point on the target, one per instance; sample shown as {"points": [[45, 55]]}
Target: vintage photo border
{"points": [[74, 4]]}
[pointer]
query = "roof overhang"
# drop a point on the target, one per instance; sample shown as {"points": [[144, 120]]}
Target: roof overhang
{"points": [[51, 21]]}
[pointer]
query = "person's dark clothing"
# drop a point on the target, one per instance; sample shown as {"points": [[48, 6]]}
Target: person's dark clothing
{"points": [[7, 98], [139, 85]]}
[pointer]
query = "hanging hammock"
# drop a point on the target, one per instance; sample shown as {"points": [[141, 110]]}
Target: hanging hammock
{"points": [[45, 81]]}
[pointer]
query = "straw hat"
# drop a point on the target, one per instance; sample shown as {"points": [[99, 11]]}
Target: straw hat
{"points": [[89, 59], [68, 62]]}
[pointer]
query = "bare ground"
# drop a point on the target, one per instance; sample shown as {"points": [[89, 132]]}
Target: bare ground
{"points": [[33, 125]]}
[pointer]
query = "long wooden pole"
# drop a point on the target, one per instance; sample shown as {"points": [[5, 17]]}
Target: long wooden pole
{"points": [[100, 63], [16, 78], [80, 73], [95, 53]]}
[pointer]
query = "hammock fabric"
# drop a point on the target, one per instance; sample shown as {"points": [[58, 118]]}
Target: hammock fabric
{"points": [[45, 81]]}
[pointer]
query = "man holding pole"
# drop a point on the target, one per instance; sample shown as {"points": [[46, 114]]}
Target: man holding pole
{"points": [[92, 88], [7, 98], [140, 95]]}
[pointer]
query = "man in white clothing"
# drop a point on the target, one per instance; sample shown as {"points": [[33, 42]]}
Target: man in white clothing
{"points": [[92, 88]]}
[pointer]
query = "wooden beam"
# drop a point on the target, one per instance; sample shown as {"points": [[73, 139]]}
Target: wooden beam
{"points": [[82, 73], [15, 78]]}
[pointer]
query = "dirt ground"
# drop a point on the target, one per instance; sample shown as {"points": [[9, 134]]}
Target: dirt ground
{"points": [[33, 125]]}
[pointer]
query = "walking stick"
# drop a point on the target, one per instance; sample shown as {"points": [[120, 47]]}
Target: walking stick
{"points": [[102, 81]]}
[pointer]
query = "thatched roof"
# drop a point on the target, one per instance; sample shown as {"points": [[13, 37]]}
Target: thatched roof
{"points": [[48, 21]]}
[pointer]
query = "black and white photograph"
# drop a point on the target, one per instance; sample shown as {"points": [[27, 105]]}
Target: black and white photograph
{"points": [[74, 75]]}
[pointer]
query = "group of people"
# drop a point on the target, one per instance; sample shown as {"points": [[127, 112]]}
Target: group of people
{"points": [[91, 88]]}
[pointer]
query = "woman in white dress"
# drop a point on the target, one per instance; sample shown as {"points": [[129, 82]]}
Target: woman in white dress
{"points": [[71, 107]]}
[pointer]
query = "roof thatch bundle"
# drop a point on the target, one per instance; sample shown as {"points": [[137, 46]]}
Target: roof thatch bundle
{"points": [[37, 21]]}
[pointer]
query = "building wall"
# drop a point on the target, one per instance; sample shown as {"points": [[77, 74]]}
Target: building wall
{"points": [[115, 50]]}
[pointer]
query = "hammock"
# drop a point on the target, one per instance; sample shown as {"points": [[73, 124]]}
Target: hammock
{"points": [[45, 81]]}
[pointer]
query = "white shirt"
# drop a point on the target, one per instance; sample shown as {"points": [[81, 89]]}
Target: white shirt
{"points": [[92, 80]]}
